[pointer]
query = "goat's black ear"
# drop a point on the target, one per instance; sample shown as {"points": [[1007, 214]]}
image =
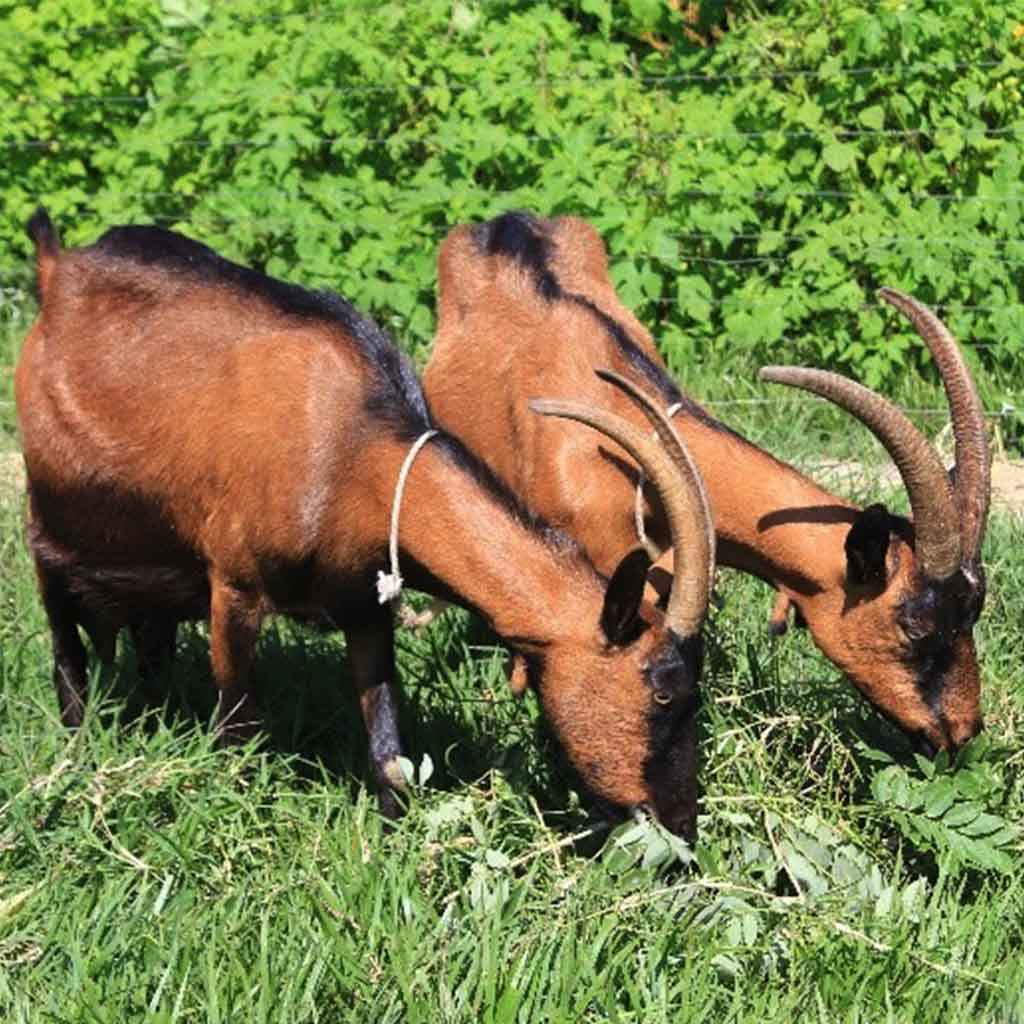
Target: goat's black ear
{"points": [[867, 547], [623, 596], [661, 580]]}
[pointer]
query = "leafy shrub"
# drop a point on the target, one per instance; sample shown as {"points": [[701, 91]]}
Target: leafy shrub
{"points": [[753, 192], [58, 59]]}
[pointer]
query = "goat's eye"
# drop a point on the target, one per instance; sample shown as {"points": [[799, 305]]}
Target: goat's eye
{"points": [[916, 630], [663, 698]]}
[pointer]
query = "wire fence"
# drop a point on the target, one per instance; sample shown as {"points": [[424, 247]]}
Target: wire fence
{"points": [[768, 250], [968, 132]]}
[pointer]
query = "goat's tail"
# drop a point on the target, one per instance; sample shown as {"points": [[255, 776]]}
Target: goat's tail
{"points": [[44, 234]]}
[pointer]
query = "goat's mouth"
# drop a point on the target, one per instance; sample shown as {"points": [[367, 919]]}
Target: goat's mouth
{"points": [[950, 738], [643, 812], [679, 821], [924, 745]]}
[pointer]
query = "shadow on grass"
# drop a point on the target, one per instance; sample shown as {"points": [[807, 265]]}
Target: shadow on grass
{"points": [[454, 704]]}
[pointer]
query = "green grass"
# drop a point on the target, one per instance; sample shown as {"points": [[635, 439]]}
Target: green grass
{"points": [[14, 323], [146, 875]]}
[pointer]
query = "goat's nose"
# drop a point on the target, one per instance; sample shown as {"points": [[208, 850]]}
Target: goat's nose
{"points": [[962, 735]]}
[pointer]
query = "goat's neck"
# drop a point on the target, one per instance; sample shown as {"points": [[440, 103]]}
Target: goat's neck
{"points": [[454, 531], [770, 520]]}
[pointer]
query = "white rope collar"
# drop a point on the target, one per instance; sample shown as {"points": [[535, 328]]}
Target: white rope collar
{"points": [[638, 503], [389, 584]]}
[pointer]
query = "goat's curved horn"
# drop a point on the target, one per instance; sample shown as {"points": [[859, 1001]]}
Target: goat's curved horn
{"points": [[973, 483], [936, 523], [682, 495], [679, 454]]}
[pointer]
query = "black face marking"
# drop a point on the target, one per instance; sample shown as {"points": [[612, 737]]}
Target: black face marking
{"points": [[677, 669], [934, 617], [671, 766]]}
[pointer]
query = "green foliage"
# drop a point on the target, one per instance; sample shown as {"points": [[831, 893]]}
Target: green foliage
{"points": [[954, 815], [752, 193], [57, 60]]}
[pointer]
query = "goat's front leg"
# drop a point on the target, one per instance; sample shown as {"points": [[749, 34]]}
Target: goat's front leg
{"points": [[371, 654], [234, 625]]}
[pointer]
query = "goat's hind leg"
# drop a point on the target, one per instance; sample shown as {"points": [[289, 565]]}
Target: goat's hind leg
{"points": [[70, 663], [371, 654], [154, 639]]}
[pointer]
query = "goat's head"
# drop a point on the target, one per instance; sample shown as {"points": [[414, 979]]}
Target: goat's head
{"points": [[913, 591], [624, 700]]}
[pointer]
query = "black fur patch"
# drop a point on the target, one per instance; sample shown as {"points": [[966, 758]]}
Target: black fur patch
{"points": [[620, 622], [168, 250], [867, 546], [40, 228], [654, 374], [934, 617], [535, 667], [522, 239]]}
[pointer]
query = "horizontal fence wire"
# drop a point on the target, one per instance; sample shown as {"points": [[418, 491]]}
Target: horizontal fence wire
{"points": [[318, 192], [445, 138], [169, 25], [623, 77]]}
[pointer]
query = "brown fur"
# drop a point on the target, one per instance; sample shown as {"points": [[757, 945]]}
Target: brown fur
{"points": [[195, 451], [500, 341]]}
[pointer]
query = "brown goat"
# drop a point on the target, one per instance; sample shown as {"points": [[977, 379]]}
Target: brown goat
{"points": [[525, 301], [203, 441]]}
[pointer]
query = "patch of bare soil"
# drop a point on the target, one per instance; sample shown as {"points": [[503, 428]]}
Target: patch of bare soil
{"points": [[12, 475], [852, 477], [1008, 485]]}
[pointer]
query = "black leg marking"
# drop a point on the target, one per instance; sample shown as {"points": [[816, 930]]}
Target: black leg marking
{"points": [[69, 658], [234, 625], [154, 640], [371, 654]]}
